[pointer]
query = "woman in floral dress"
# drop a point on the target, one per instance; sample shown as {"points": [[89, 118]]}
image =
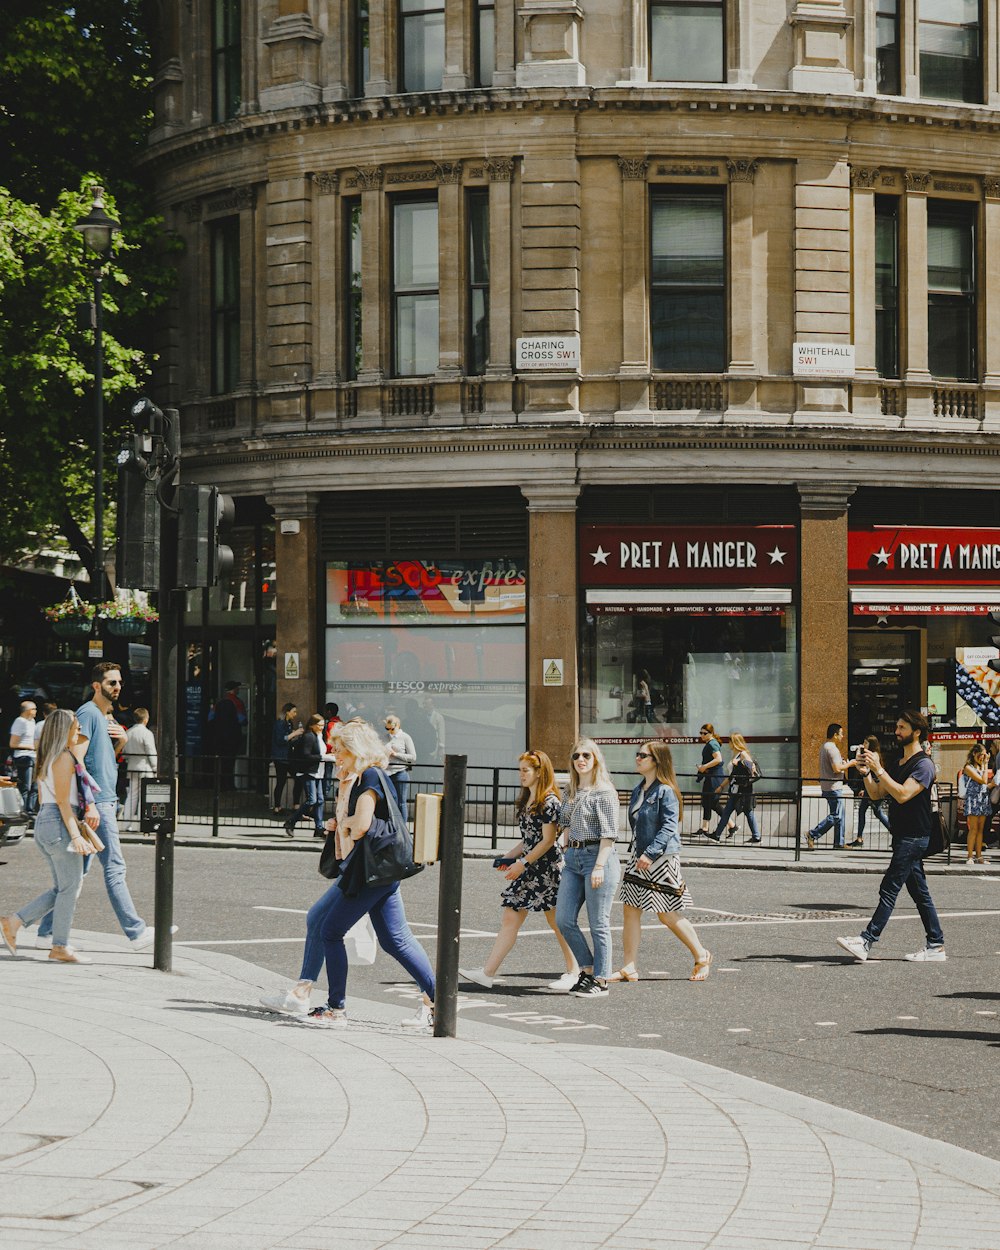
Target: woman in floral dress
{"points": [[532, 867]]}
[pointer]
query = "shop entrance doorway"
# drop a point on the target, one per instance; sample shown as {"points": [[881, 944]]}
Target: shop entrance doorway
{"points": [[885, 667]]}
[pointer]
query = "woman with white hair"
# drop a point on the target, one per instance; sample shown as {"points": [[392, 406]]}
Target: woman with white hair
{"points": [[591, 870], [358, 751]]}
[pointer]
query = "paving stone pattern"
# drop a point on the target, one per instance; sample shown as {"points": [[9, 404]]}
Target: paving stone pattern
{"points": [[141, 1110]]}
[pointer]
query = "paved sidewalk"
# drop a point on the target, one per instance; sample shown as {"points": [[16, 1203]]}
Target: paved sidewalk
{"points": [[141, 1110]]}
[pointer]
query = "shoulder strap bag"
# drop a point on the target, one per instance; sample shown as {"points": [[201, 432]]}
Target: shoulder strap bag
{"points": [[389, 858]]}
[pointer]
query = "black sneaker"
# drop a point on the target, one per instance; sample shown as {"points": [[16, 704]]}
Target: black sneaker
{"points": [[582, 981], [592, 989]]}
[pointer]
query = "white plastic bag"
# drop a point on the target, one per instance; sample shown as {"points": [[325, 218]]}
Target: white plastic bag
{"points": [[360, 942]]}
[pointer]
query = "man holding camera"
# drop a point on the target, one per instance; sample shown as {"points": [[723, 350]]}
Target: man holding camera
{"points": [[908, 789]]}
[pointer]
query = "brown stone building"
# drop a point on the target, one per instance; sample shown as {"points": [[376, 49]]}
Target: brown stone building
{"points": [[569, 352]]}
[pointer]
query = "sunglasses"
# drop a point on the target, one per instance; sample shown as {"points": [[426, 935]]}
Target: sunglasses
{"points": [[112, 683], [643, 755], [582, 755]]}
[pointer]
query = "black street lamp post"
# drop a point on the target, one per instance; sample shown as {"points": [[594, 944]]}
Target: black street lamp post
{"points": [[97, 229]]}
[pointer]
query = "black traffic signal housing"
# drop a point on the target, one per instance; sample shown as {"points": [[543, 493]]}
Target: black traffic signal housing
{"points": [[205, 517], [137, 542]]}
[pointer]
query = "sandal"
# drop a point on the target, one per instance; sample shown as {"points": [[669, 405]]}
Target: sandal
{"points": [[701, 968], [623, 975]]}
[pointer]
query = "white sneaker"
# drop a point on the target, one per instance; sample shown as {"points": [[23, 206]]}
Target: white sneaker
{"points": [[565, 982], [146, 938], [285, 1002], [929, 955], [422, 1019], [477, 976], [859, 947]]}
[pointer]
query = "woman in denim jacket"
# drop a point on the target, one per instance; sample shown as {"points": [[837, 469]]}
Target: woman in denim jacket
{"points": [[654, 813]]}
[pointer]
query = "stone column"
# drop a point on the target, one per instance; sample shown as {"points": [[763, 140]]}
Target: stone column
{"points": [[372, 228], [381, 45], [866, 394], [296, 627], [553, 711], [991, 254], [635, 286], [501, 172], [292, 69], [635, 44], [825, 606], [327, 290], [451, 246], [910, 52], [457, 45], [742, 322], [913, 248], [504, 16]]}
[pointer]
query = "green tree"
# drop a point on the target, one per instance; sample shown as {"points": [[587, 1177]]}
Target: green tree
{"points": [[75, 106]]}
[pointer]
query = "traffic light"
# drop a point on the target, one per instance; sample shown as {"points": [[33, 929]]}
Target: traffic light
{"points": [[137, 544], [205, 517]]}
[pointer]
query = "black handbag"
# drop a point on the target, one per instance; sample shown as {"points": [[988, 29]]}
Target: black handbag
{"points": [[329, 864], [388, 856], [939, 836]]}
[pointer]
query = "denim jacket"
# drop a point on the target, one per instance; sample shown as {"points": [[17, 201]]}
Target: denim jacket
{"points": [[655, 826]]}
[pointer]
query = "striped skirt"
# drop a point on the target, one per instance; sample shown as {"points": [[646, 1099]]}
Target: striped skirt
{"points": [[666, 869]]}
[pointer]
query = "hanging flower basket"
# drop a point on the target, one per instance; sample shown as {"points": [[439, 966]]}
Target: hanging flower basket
{"points": [[126, 627], [72, 627]]}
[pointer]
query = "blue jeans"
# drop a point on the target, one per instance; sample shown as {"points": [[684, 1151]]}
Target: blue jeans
{"points": [[575, 890], [313, 802], [906, 868], [113, 863], [24, 765], [334, 913], [836, 816], [58, 903], [724, 819], [401, 784], [866, 806], [328, 770]]}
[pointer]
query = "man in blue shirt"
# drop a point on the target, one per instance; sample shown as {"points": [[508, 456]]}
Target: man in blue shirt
{"points": [[908, 789], [103, 733]]}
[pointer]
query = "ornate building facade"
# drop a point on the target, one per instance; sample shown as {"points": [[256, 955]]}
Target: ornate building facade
{"points": [[558, 349]]}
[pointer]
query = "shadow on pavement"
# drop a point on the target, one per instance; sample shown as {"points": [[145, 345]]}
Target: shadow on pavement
{"points": [[955, 1035]]}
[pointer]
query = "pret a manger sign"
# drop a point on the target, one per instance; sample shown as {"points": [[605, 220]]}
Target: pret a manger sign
{"points": [[696, 555], [887, 555]]}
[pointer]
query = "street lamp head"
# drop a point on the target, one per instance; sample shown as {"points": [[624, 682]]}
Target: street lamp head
{"points": [[97, 227]]}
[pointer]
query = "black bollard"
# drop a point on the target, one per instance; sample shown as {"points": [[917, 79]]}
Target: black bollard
{"points": [[450, 896]]}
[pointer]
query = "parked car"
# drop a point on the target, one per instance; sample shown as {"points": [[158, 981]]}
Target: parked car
{"points": [[12, 818], [54, 681]]}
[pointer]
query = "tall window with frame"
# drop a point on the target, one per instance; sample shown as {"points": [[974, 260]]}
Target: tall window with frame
{"points": [[951, 290], [224, 245], [688, 268], [360, 63], [421, 45], [485, 42], [887, 286], [887, 75], [478, 288], [227, 52], [687, 40], [949, 36], [352, 292], [415, 291]]}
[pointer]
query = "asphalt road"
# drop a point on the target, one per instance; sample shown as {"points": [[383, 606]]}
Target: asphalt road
{"points": [[911, 1044]]}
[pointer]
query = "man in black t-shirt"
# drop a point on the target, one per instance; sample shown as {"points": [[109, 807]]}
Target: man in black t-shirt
{"points": [[908, 789]]}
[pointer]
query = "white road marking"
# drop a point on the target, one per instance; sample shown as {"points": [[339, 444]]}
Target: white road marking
{"points": [[649, 1034], [978, 1013], [826, 1024], [739, 1030], [907, 1017], [291, 911], [245, 942]]}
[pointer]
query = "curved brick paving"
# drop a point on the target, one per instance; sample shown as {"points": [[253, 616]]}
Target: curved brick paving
{"points": [[139, 1111]]}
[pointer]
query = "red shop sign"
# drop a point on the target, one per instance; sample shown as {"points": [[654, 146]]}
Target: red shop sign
{"points": [[688, 555], [923, 555]]}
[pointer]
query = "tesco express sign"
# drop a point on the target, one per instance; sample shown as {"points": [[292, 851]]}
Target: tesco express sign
{"points": [[547, 351]]}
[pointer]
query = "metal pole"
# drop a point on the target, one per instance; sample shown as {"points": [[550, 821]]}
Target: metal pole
{"points": [[216, 786], [167, 759], [495, 808], [450, 896], [99, 433]]}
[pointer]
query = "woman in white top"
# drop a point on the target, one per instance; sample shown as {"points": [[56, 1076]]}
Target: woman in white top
{"points": [[591, 871], [57, 836]]}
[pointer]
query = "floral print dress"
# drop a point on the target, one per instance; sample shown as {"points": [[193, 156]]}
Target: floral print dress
{"points": [[536, 888]]}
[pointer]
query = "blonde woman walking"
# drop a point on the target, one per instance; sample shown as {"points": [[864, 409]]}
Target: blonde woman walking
{"points": [[743, 772], [591, 870], [533, 868], [653, 881], [59, 838]]}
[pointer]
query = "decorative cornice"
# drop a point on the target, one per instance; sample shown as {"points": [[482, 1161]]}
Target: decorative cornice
{"points": [[448, 171], [741, 170], [327, 181], [369, 177], [991, 188], [633, 168], [916, 182], [824, 500], [499, 168], [192, 211], [865, 178], [551, 496], [235, 199]]}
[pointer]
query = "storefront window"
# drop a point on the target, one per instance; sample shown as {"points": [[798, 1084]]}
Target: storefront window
{"points": [[441, 643], [702, 618]]}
